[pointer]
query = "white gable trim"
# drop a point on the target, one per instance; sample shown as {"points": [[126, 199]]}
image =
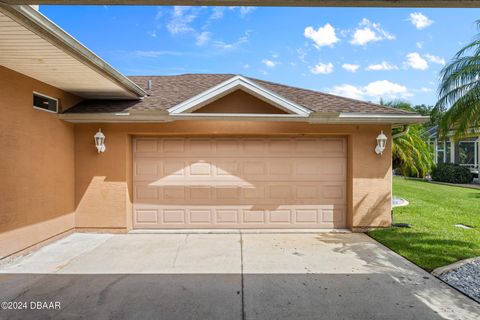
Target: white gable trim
{"points": [[232, 84]]}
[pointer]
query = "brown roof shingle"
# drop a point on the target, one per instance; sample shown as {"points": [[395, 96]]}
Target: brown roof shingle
{"points": [[168, 91]]}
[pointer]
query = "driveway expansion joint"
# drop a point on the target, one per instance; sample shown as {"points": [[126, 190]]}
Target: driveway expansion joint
{"points": [[241, 276]]}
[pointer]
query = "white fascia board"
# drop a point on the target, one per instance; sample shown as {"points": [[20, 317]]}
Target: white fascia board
{"points": [[332, 118], [368, 118], [389, 118], [232, 84], [121, 117]]}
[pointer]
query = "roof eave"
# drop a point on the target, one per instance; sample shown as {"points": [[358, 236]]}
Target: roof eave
{"points": [[367, 118], [38, 23], [330, 118]]}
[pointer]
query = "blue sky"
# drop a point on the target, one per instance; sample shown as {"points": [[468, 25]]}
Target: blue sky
{"points": [[364, 53]]}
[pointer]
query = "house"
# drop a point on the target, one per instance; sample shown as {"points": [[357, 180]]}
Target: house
{"points": [[85, 148], [464, 151]]}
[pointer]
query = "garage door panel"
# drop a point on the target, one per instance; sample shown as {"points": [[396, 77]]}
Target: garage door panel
{"points": [[192, 170], [146, 145], [172, 145], [146, 168], [239, 182], [146, 193], [261, 194], [147, 216], [173, 193], [244, 216]]}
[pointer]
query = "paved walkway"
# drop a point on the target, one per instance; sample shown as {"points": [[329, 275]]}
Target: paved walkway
{"points": [[226, 276]]}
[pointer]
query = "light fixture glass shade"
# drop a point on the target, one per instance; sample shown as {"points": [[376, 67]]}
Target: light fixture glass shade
{"points": [[381, 143], [100, 141]]}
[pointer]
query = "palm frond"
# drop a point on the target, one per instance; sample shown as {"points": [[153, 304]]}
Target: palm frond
{"points": [[459, 90]]}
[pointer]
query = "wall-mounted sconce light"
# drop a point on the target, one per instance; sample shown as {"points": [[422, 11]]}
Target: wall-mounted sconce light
{"points": [[100, 141], [381, 143]]}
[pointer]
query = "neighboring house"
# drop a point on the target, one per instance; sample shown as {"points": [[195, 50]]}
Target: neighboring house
{"points": [[187, 151], [464, 151]]}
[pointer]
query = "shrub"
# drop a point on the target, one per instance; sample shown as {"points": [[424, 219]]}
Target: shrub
{"points": [[451, 173]]}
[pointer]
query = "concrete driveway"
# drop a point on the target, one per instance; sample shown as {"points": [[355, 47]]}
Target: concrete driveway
{"points": [[226, 276]]}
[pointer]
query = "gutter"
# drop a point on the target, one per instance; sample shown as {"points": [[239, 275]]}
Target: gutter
{"points": [[42, 26], [162, 116], [368, 118]]}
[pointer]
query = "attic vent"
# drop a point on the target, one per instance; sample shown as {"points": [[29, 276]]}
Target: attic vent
{"points": [[149, 85], [45, 103]]}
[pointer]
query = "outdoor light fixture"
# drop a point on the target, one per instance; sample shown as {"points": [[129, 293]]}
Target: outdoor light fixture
{"points": [[381, 143], [100, 141]]}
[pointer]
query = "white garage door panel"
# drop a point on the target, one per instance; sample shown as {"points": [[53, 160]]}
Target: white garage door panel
{"points": [[239, 182]]}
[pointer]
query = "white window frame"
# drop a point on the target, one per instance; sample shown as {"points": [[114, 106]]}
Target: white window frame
{"points": [[45, 96], [441, 150], [475, 155]]}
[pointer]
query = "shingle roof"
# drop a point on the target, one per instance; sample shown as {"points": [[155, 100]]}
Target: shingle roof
{"points": [[168, 91]]}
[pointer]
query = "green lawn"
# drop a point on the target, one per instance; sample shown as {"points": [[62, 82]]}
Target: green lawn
{"points": [[433, 241]]}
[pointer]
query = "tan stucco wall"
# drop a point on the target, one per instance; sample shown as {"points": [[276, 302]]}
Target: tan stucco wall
{"points": [[37, 165], [103, 181], [239, 102]]}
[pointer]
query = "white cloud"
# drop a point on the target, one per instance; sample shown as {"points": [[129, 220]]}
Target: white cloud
{"points": [[419, 20], [435, 59], [156, 54], [203, 38], [322, 68], [324, 36], [425, 89], [243, 11], [386, 89], [415, 61], [419, 44], [217, 13], [301, 54], [383, 66], [369, 32], [233, 45], [377, 89], [350, 67], [363, 36], [348, 90], [159, 14], [246, 66], [269, 63], [181, 18], [246, 10]]}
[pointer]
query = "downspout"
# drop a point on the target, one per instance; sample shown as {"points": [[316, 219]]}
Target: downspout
{"points": [[405, 130]]}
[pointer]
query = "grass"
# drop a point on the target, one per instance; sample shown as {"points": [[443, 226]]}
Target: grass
{"points": [[433, 241]]}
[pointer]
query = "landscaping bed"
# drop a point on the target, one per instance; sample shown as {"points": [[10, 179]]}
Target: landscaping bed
{"points": [[463, 275]]}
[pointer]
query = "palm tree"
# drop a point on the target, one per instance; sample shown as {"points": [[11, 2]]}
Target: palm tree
{"points": [[411, 153], [459, 90]]}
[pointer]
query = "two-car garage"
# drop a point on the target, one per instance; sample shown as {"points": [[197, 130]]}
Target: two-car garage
{"points": [[239, 182]]}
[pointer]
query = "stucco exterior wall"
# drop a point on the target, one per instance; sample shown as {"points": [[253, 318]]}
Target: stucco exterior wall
{"points": [[37, 165], [103, 181], [239, 102]]}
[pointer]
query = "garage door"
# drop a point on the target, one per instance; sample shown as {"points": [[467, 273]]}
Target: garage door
{"points": [[239, 182]]}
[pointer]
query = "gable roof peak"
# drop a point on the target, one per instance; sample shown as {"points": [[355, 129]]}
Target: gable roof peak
{"points": [[234, 83]]}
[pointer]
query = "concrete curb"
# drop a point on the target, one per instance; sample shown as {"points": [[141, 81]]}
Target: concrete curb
{"points": [[439, 271]]}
